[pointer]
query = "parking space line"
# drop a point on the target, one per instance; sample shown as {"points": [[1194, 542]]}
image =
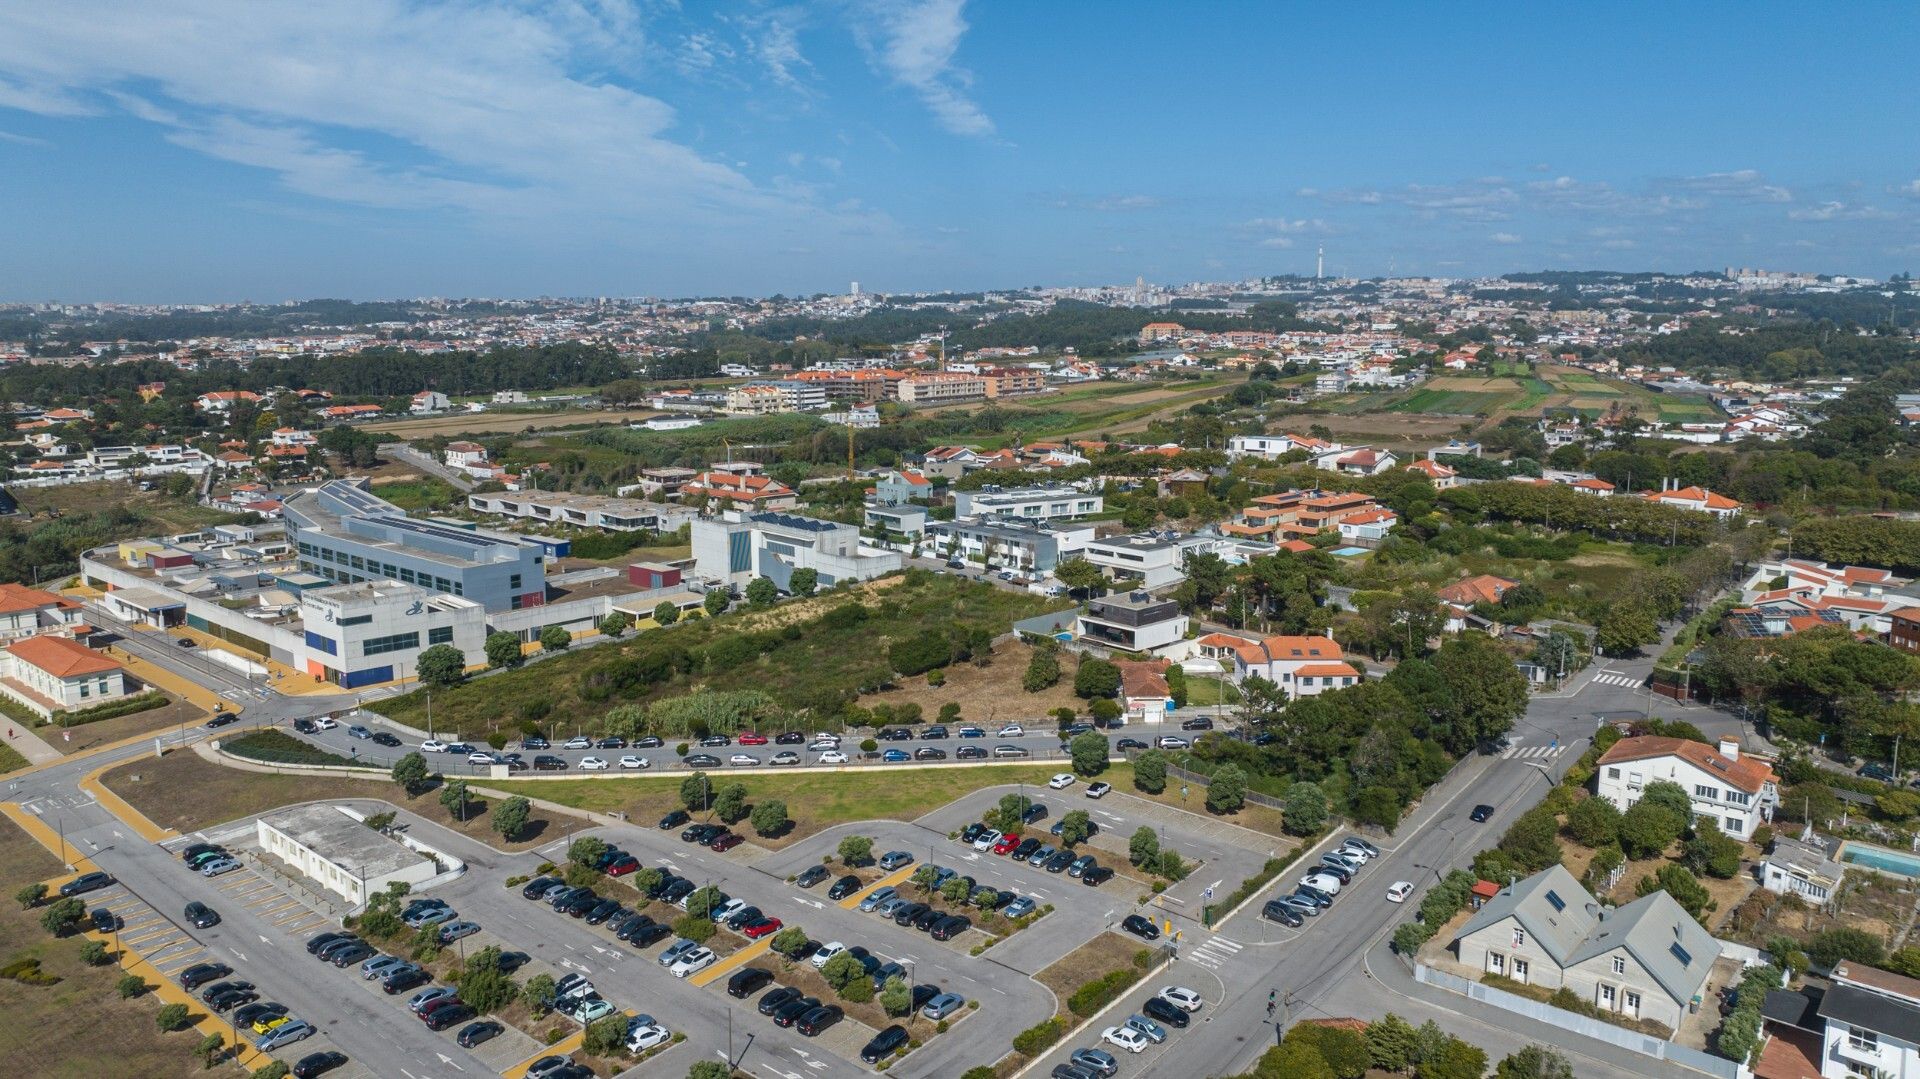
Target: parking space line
{"points": [[286, 917], [894, 877], [731, 963], [147, 935], [563, 1047]]}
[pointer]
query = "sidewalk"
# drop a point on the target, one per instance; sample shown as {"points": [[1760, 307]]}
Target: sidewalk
{"points": [[29, 745]]}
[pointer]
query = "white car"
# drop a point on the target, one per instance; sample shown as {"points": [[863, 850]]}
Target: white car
{"points": [[727, 910], [743, 760], [1169, 741], [324, 724], [693, 962], [987, 839], [825, 736], [631, 761], [1061, 781], [578, 741], [1124, 1038], [477, 757], [833, 756], [1012, 730], [1182, 997], [826, 952], [433, 745], [1099, 790], [1322, 882], [647, 1037], [593, 764], [1399, 891]]}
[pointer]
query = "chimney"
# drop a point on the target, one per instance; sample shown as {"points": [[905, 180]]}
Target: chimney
{"points": [[1730, 748]]}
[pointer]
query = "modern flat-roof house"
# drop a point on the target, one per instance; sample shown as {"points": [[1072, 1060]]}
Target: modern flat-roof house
{"points": [[583, 511], [1646, 960], [347, 535], [1145, 559], [1273, 446], [1872, 1021], [58, 674], [372, 632], [736, 547], [1133, 622], [1035, 546], [900, 522], [339, 853], [1027, 503], [1736, 792]]}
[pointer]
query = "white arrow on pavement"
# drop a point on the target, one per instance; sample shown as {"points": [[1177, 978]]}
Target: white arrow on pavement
{"points": [[117, 835], [263, 939], [238, 954], [448, 1061]]}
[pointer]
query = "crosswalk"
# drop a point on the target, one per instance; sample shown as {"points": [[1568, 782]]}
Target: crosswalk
{"points": [[1522, 751], [1214, 951], [1615, 678]]}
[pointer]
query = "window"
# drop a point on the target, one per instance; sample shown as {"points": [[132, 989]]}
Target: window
{"points": [[1619, 964], [1496, 962], [1681, 954], [513, 582], [357, 620], [374, 646], [440, 635], [85, 691], [1739, 798], [1701, 790], [1867, 1041], [1519, 937], [1863, 1071], [1613, 773], [1732, 826], [324, 644], [1553, 898]]}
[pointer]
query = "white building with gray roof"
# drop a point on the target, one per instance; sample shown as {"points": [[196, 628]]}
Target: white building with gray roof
{"points": [[1646, 960]]}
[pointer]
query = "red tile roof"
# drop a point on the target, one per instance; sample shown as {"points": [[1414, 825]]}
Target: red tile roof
{"points": [[1750, 774], [61, 657]]}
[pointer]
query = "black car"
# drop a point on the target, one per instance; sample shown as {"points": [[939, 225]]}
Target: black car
{"points": [[1197, 723], [561, 899], [746, 915], [404, 979], [651, 741], [778, 998], [86, 882], [969, 753], [702, 760], [660, 887], [1277, 911], [789, 738], [1481, 812], [474, 1033], [933, 733], [201, 974], [884, 1044], [744, 983], [601, 911], [534, 741], [972, 832], [538, 885], [929, 753], [674, 819], [950, 927], [1035, 813], [818, 1020], [220, 720], [715, 741], [648, 936], [907, 912], [677, 889], [1059, 862], [202, 916], [306, 726], [1125, 744], [611, 743], [896, 734], [548, 763], [1165, 1011], [221, 988], [811, 876], [925, 920], [246, 1016], [1140, 927], [326, 952], [188, 854], [386, 738], [442, 1018], [1338, 872], [230, 999], [1313, 895], [1025, 850], [321, 940], [318, 1064], [790, 1012], [844, 887], [1095, 877], [921, 994], [103, 920], [579, 905]]}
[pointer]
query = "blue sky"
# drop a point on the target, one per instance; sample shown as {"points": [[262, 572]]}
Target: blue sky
{"points": [[241, 149]]}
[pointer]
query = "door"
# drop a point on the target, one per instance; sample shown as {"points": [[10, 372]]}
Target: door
{"points": [[1607, 998], [1519, 969]]}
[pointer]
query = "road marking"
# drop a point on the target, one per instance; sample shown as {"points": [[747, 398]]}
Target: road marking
{"points": [[731, 963], [894, 877]]}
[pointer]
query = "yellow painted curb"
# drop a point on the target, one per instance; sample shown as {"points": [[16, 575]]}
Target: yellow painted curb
{"points": [[894, 877], [155, 675], [731, 963], [564, 1047], [169, 992], [119, 807]]}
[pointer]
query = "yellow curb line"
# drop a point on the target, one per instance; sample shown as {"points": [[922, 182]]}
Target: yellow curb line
{"points": [[732, 962], [119, 807], [170, 993], [894, 877]]}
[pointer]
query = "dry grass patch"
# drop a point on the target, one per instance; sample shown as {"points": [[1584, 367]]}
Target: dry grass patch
{"points": [[988, 695], [1107, 952], [171, 716]]}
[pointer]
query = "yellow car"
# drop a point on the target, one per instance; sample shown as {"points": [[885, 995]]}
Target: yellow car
{"points": [[267, 1023]]}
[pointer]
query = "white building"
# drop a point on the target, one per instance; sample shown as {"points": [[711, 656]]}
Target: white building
{"points": [[1872, 1024], [25, 612], [1145, 559], [372, 632], [1734, 791], [1303, 666], [1047, 503], [429, 401], [58, 674], [339, 853], [465, 455], [736, 547], [1356, 461], [583, 511], [1271, 447], [1802, 867], [1133, 622]]}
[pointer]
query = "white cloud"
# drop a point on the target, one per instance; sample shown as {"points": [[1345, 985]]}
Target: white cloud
{"points": [[477, 107], [915, 45], [1505, 238], [23, 140], [1836, 211], [1126, 202], [1743, 184], [1910, 190], [774, 40]]}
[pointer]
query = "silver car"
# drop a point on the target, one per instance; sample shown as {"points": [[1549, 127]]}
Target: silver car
{"points": [[381, 965], [284, 1034], [877, 897], [677, 949], [1153, 1031]]}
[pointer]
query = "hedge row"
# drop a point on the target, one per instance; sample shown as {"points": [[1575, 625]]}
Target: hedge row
{"points": [[1102, 991], [1440, 904], [125, 706], [1035, 1039], [1273, 868]]}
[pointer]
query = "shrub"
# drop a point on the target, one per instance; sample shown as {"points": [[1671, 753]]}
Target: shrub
{"points": [[769, 817], [1227, 789], [1682, 885], [276, 1070], [537, 994], [94, 953], [1410, 936], [1150, 771], [1594, 823], [920, 653], [61, 915], [856, 849], [936, 678], [1143, 849], [1830, 946], [1098, 993], [1035, 1039], [173, 1017], [30, 895], [130, 986], [1306, 809], [1043, 670]]}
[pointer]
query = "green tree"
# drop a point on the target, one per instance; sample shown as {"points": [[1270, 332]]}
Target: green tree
{"points": [[1144, 848], [1488, 692], [761, 592], [665, 613], [1648, 828], [173, 1017], [1533, 840], [896, 996], [843, 970], [696, 792], [730, 802], [616, 622], [411, 773], [1454, 1059], [1096, 678], [647, 878], [586, 850], [1711, 852], [768, 817], [94, 953], [483, 986], [856, 849], [503, 650], [453, 798], [607, 1035], [1170, 865], [1306, 809], [1681, 885], [61, 915], [708, 1069], [208, 1052], [1594, 822], [30, 895], [1150, 771], [1534, 1062], [1075, 826], [1043, 670], [1345, 1051], [538, 994], [1079, 574], [1667, 793], [1623, 628], [716, 602], [803, 581], [1010, 814], [1293, 1059], [441, 665], [555, 639], [789, 940], [1391, 1043], [130, 986], [510, 816], [956, 891], [1103, 710], [1227, 789], [1089, 752], [1830, 946]]}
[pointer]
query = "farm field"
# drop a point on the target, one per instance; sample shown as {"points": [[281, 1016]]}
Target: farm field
{"points": [[500, 423], [1510, 390]]}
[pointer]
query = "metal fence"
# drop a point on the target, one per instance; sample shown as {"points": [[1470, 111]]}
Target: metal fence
{"points": [[1598, 1030]]}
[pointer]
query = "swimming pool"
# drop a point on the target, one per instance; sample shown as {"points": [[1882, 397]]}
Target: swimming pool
{"points": [[1351, 552], [1882, 858]]}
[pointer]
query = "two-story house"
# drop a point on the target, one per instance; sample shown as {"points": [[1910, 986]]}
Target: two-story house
{"points": [[1734, 791], [1304, 666], [1872, 1024], [1133, 622]]}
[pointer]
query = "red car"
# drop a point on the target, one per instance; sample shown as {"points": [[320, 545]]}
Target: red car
{"points": [[725, 843], [756, 930], [752, 739], [623, 866], [1006, 844]]}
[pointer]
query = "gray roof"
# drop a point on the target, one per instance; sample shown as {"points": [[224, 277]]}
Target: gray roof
{"points": [[1859, 1007], [1571, 928], [347, 843]]}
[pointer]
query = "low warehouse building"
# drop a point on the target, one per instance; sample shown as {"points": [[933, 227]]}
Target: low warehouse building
{"points": [[339, 853]]}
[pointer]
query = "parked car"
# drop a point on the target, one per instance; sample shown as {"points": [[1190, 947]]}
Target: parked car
{"points": [[832, 756], [844, 887], [1197, 723], [1165, 1011], [811, 876], [951, 926], [1277, 910], [818, 1019], [1095, 876], [358, 731], [1169, 741], [790, 1012], [929, 753], [1007, 749], [84, 883], [1184, 998], [701, 760], [745, 982], [201, 974], [778, 997], [894, 859], [877, 897], [1061, 780], [1140, 927], [386, 738], [884, 1044], [1124, 1037], [1099, 790], [317, 1064], [284, 1035], [674, 819], [201, 915], [475, 1033]]}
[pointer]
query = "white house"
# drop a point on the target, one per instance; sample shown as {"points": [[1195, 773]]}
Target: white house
{"points": [[465, 455], [1368, 525], [26, 612], [1146, 559], [1872, 1024], [1133, 622], [1698, 499], [1802, 867], [429, 401], [1356, 461], [58, 674], [1303, 666], [1736, 792], [1272, 446]]}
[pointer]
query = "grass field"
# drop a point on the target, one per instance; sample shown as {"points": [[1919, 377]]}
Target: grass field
{"points": [[78, 1028], [423, 493], [158, 513], [10, 761], [1508, 389], [1452, 402], [500, 423]]}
